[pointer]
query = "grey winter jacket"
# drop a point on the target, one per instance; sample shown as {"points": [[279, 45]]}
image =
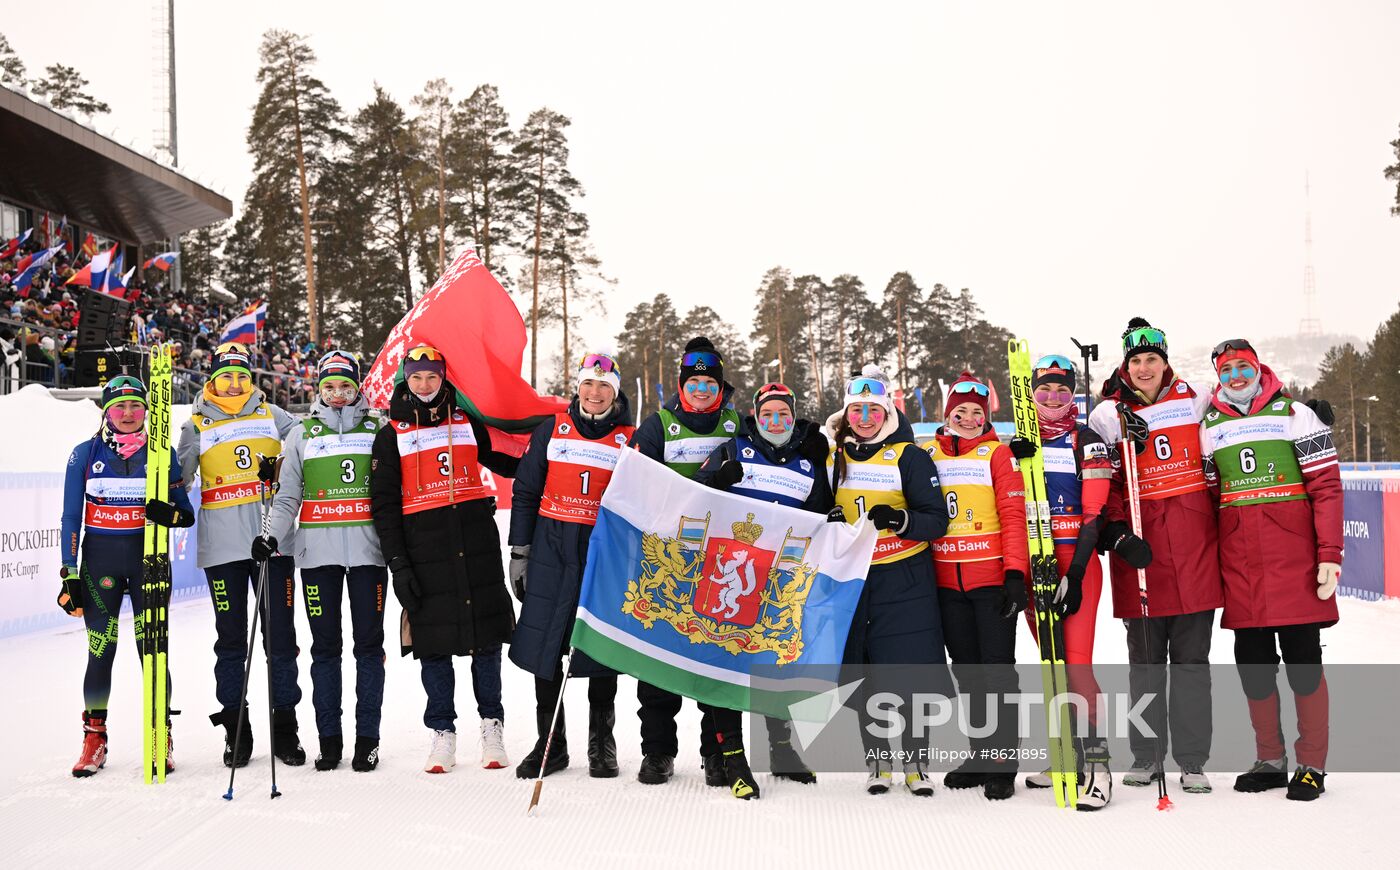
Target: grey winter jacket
{"points": [[226, 534], [327, 545]]}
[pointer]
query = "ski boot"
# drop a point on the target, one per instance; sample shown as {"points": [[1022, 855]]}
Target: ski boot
{"points": [[916, 780], [783, 758], [1307, 784], [366, 754], [736, 770], [94, 754], [332, 748], [1264, 775], [1096, 780], [878, 782], [230, 718], [285, 744]]}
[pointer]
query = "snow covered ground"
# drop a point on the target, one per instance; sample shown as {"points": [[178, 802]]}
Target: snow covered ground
{"points": [[476, 817]]}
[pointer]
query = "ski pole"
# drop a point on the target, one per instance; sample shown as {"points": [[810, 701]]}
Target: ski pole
{"points": [[243, 693], [1087, 352], [1129, 451], [267, 483], [549, 738]]}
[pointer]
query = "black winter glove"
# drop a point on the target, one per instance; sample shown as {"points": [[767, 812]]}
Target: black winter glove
{"points": [[519, 562], [836, 515], [163, 513], [1130, 547], [70, 596], [1070, 593], [1023, 448], [263, 548], [1013, 593], [406, 586], [1135, 426], [887, 518], [814, 446], [1323, 409], [728, 474]]}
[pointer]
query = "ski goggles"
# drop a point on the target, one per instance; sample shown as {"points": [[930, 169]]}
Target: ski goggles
{"points": [[1052, 362], [773, 391], [867, 387], [1232, 344], [424, 352], [701, 360], [331, 354], [600, 363], [965, 387], [1144, 336]]}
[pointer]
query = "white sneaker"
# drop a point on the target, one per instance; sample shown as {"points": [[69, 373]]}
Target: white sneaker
{"points": [[1040, 780], [1097, 790], [493, 744], [443, 756], [1194, 780], [917, 781], [878, 782]]}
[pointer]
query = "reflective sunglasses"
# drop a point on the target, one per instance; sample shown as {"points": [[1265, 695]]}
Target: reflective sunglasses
{"points": [[1145, 336], [970, 387]]}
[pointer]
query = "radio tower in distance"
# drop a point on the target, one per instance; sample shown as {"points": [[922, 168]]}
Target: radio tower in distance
{"points": [[1310, 326]]}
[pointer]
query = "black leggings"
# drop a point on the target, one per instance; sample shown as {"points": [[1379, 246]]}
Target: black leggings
{"points": [[111, 569]]}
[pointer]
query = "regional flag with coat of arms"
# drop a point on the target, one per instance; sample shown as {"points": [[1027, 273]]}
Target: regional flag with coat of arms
{"points": [[729, 600]]}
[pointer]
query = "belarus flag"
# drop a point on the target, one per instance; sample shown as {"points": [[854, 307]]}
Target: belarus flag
{"points": [[729, 600]]}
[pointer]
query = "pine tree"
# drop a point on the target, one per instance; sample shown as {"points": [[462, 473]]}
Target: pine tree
{"points": [[434, 128], [386, 150], [704, 320], [545, 189], [201, 257], [63, 87], [484, 169], [1392, 173], [11, 67], [649, 348], [902, 307], [779, 323], [1341, 381], [295, 135]]}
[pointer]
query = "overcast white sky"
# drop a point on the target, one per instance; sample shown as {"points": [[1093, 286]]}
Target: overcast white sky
{"points": [[1074, 164]]}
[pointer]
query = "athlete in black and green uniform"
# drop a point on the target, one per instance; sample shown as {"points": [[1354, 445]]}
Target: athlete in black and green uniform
{"points": [[695, 421]]}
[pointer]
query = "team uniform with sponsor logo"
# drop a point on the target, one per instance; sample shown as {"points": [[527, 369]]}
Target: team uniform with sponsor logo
{"points": [[897, 620], [554, 506], [1274, 466], [322, 516], [1183, 580], [783, 475], [104, 516], [682, 440], [436, 519], [223, 439], [986, 539]]}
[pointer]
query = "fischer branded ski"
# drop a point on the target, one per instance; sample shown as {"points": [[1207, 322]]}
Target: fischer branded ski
{"points": [[1045, 579], [155, 573]]}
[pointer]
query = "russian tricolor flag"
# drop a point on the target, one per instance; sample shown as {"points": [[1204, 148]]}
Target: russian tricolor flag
{"points": [[162, 262], [34, 264], [244, 328]]}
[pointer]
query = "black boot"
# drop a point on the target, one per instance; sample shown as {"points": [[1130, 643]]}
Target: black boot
{"points": [[366, 754], [966, 775], [782, 758], [656, 769], [1307, 784], [285, 744], [602, 748], [329, 756], [736, 770], [1264, 775], [714, 771], [229, 718], [529, 766], [999, 786]]}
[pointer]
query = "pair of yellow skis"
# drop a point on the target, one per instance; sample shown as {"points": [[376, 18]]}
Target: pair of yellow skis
{"points": [[155, 575], [1045, 579]]}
